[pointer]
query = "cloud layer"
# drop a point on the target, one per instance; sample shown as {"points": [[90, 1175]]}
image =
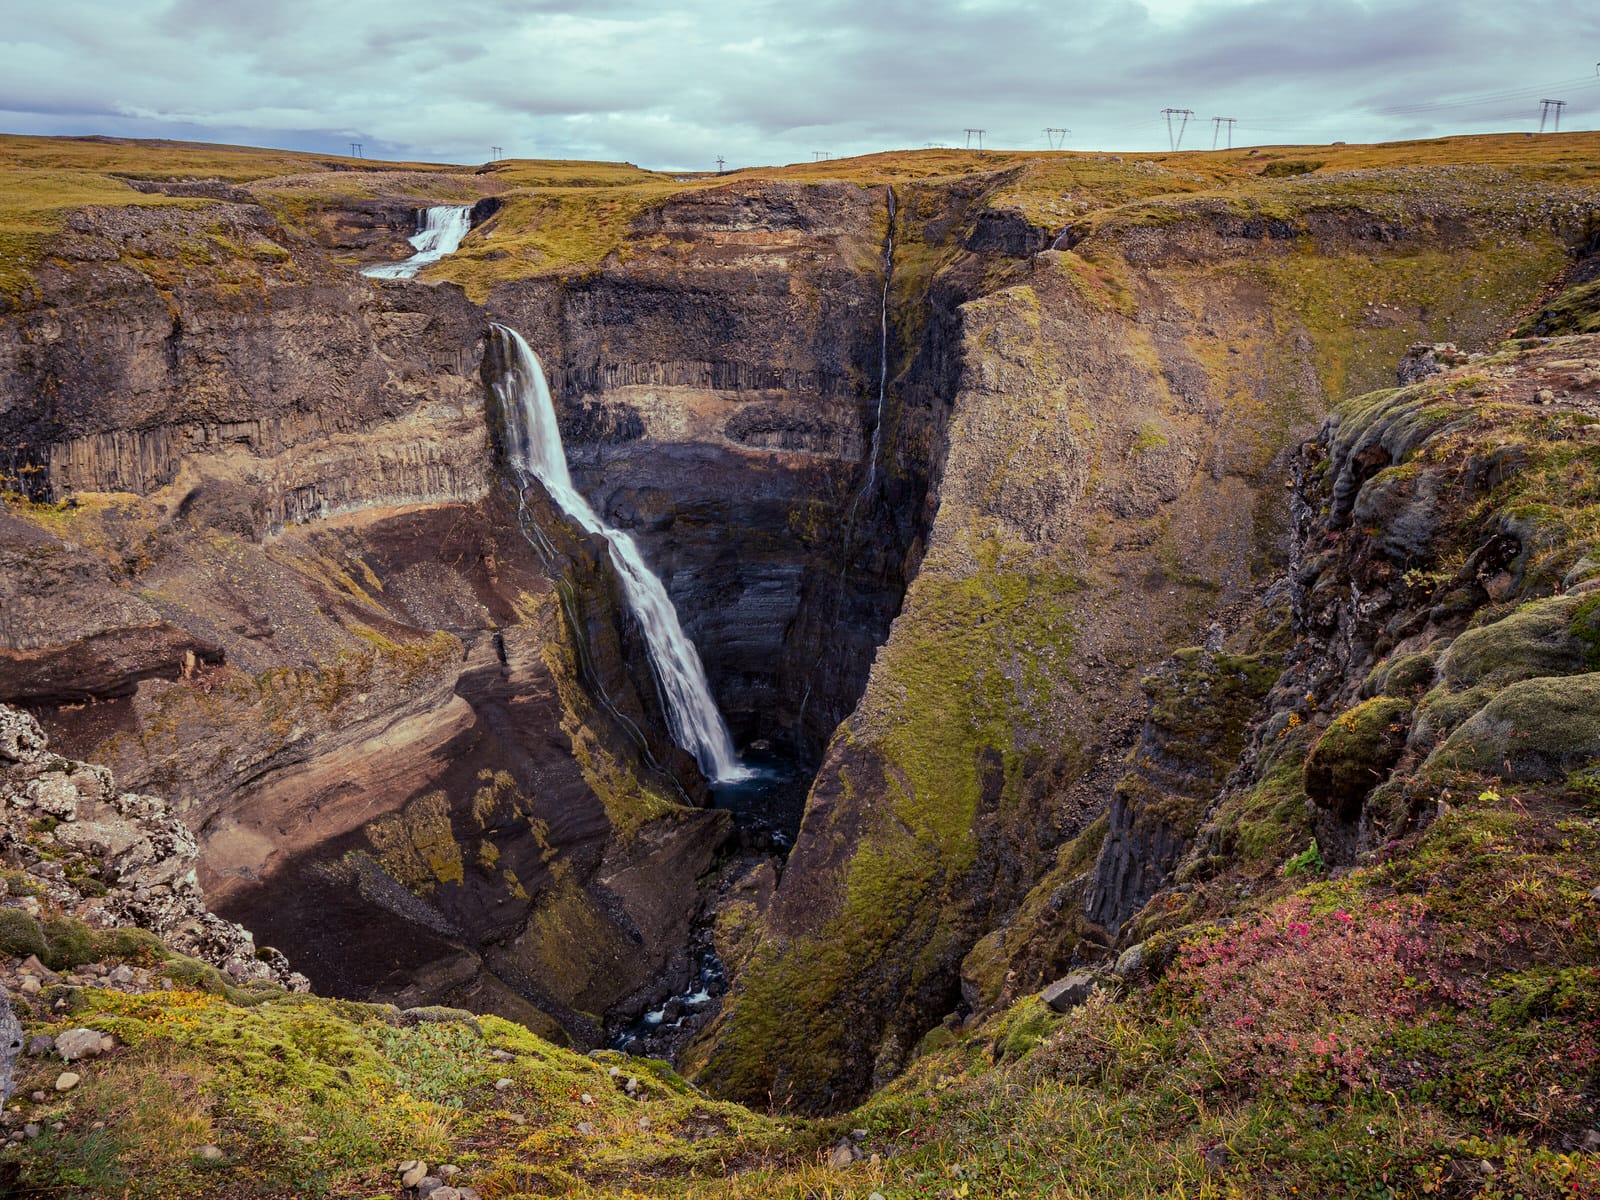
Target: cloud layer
{"points": [[676, 84]]}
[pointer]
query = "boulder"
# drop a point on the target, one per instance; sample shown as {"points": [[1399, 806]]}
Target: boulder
{"points": [[1356, 752], [1131, 962], [1538, 729], [21, 740], [10, 1046], [80, 1043], [1070, 991]]}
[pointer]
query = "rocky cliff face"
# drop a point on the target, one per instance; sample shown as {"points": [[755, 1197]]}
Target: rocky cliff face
{"points": [[1113, 484], [266, 570]]}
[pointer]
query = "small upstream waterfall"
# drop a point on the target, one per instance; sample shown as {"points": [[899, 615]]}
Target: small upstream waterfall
{"points": [[533, 448], [443, 227]]}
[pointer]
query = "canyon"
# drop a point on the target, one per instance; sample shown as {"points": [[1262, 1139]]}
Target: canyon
{"points": [[967, 476]]}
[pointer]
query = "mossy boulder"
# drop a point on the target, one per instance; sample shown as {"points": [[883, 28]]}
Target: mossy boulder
{"points": [[1546, 637], [1536, 729], [1356, 752], [1552, 637], [62, 943], [1402, 675], [1024, 1025]]}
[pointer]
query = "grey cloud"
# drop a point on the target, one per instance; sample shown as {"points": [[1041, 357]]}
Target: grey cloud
{"points": [[675, 84]]}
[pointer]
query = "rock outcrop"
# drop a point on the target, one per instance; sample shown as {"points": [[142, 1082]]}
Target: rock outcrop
{"points": [[76, 845]]}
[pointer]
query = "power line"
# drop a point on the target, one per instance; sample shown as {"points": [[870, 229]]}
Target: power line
{"points": [[1183, 114], [1478, 99]]}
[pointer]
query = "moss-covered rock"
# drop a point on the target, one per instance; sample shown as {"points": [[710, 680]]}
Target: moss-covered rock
{"points": [[1536, 729], [62, 942], [1024, 1026], [1402, 675], [1545, 637], [1576, 310], [1355, 753]]}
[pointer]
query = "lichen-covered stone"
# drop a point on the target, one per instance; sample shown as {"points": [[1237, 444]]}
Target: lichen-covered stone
{"points": [[139, 857]]}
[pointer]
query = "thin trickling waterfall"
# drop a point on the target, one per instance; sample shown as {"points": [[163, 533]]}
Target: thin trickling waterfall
{"points": [[883, 394], [443, 227], [533, 450], [883, 347]]}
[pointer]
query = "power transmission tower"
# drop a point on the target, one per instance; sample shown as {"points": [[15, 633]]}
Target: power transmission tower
{"points": [[720, 162], [819, 155], [1184, 114], [1551, 108], [1055, 136], [1216, 127], [355, 149], [979, 133], [497, 152]]}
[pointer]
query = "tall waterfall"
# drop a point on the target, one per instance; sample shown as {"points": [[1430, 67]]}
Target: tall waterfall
{"points": [[533, 448], [443, 227]]}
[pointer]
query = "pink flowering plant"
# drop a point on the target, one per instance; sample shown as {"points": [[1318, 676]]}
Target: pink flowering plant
{"points": [[1297, 998]]}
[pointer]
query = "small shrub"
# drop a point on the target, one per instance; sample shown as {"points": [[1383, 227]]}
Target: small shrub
{"points": [[1297, 999], [21, 935], [1307, 862]]}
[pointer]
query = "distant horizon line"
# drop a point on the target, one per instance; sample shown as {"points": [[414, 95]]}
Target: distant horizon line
{"points": [[444, 163]]}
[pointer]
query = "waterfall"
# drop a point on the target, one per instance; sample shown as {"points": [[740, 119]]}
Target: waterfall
{"points": [[883, 347], [883, 393], [443, 227], [533, 450]]}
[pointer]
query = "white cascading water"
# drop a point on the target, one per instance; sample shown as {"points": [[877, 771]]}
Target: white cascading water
{"points": [[533, 448], [443, 227]]}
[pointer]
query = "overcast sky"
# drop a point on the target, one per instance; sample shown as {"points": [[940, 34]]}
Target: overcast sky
{"points": [[676, 83]]}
